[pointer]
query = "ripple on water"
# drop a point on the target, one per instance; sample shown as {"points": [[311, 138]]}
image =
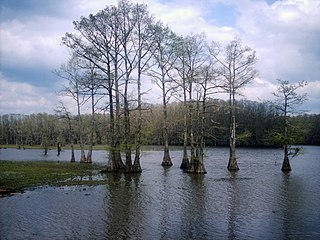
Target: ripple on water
{"points": [[257, 202]]}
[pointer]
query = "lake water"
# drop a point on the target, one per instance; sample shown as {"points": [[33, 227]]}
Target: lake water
{"points": [[257, 202]]}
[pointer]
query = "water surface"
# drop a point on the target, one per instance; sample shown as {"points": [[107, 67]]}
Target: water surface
{"points": [[257, 202]]}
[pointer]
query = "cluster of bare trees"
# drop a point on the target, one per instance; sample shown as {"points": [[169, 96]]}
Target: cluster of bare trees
{"points": [[113, 48], [121, 46]]}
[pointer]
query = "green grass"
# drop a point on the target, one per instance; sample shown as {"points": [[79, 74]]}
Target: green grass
{"points": [[17, 176]]}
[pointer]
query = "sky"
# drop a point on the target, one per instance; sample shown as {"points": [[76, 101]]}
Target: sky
{"points": [[285, 35]]}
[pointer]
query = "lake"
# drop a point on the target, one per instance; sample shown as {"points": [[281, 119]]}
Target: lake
{"points": [[257, 202]]}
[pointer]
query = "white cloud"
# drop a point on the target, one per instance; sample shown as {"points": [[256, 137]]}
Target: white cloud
{"points": [[33, 43], [16, 97], [313, 95], [284, 34], [259, 90]]}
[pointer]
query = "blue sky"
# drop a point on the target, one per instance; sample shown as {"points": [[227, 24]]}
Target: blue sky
{"points": [[285, 35]]}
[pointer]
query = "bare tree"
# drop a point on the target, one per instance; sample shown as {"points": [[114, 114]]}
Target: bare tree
{"points": [[65, 114], [92, 80], [192, 54], [163, 60], [72, 72], [142, 44], [98, 41], [237, 69], [287, 99]]}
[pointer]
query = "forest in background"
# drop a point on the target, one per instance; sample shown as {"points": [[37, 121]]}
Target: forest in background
{"points": [[256, 123]]}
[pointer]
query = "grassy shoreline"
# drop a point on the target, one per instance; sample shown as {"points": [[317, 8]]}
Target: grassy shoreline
{"points": [[17, 176]]}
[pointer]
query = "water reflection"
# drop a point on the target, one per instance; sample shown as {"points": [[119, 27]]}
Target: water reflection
{"points": [[233, 206], [194, 210], [290, 206], [123, 207], [165, 201], [257, 202]]}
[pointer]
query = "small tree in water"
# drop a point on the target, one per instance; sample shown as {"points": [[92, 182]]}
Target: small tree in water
{"points": [[237, 69], [286, 101]]}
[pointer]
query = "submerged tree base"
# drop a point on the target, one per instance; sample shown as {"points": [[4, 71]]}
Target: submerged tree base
{"points": [[232, 165], [198, 170], [166, 163], [184, 163], [286, 166], [166, 160], [136, 168], [233, 168], [196, 166], [115, 163]]}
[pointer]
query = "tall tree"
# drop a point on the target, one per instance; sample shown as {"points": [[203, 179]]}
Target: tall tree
{"points": [[181, 67], [98, 41], [65, 114], [142, 45], [287, 99], [91, 83], [237, 70], [163, 61], [192, 54], [73, 73], [129, 56]]}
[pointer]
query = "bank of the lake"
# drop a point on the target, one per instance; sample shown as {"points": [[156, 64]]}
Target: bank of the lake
{"points": [[257, 202]]}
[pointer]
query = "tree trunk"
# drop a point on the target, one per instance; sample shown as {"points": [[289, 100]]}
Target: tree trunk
{"points": [[185, 159], [117, 133], [113, 162], [128, 164], [192, 147], [166, 156], [286, 163], [73, 158], [197, 163], [59, 148], [45, 149], [92, 122], [136, 164], [82, 156], [89, 155], [232, 165]]}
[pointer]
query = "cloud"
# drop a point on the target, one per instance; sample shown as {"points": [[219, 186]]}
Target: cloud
{"points": [[24, 47], [185, 17], [313, 95], [285, 35], [16, 97]]}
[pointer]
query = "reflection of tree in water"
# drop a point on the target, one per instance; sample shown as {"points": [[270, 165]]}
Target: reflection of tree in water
{"points": [[123, 207], [290, 208], [194, 221], [234, 205], [165, 206]]}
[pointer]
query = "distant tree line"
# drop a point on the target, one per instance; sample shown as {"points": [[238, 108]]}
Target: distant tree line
{"points": [[257, 122]]}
